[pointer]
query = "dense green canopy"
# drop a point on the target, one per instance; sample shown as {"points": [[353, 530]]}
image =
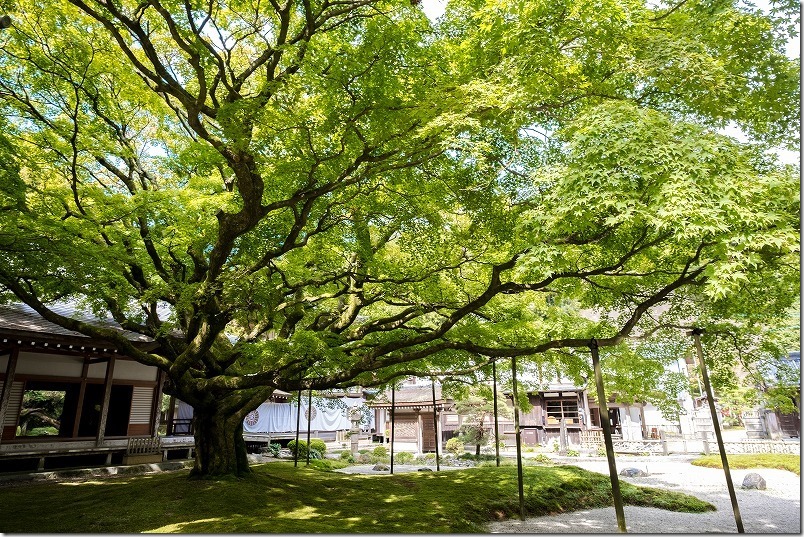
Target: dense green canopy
{"points": [[329, 193]]}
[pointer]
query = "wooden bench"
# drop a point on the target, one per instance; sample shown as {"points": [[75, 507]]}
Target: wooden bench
{"points": [[143, 450]]}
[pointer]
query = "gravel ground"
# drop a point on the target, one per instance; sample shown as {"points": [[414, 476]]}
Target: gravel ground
{"points": [[774, 510]]}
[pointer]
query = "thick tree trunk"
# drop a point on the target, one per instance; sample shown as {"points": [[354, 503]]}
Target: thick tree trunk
{"points": [[219, 446]]}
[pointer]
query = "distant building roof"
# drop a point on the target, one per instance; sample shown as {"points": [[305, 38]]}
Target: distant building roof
{"points": [[409, 396], [22, 321]]}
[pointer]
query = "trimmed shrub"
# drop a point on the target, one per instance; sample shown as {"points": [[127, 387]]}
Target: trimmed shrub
{"points": [[454, 446], [380, 452], [318, 445], [302, 449], [403, 458]]}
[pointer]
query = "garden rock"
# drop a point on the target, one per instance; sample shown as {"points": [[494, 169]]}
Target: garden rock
{"points": [[425, 470], [633, 472], [381, 467], [754, 481]]}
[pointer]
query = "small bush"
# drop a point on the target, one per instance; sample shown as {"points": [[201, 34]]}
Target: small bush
{"points": [[274, 448], [573, 453], [302, 449], [601, 451], [479, 458], [403, 458], [380, 452], [327, 465], [318, 445], [543, 459], [364, 458], [556, 446], [454, 445], [427, 458]]}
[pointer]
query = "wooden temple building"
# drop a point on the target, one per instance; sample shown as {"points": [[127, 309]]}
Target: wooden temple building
{"points": [[67, 400]]}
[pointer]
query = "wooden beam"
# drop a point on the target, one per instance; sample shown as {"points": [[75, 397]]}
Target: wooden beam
{"points": [[5, 397], [107, 394]]}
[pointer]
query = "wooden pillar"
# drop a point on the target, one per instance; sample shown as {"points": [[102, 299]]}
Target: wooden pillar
{"points": [[107, 394], [171, 427], [81, 392], [518, 444], [606, 424], [587, 422], [5, 397], [696, 336], [419, 432], [496, 415], [160, 384]]}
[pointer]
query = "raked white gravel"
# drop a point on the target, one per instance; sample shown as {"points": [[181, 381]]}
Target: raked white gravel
{"points": [[774, 510]]}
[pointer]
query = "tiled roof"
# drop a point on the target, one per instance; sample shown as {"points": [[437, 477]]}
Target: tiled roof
{"points": [[409, 395], [20, 318]]}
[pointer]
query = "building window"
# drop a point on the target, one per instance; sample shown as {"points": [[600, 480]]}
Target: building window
{"points": [[47, 409], [566, 409]]}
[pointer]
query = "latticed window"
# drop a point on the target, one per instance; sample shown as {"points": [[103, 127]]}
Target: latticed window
{"points": [[562, 408]]}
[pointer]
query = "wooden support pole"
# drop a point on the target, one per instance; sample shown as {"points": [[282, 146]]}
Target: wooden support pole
{"points": [[5, 397], [696, 336], [171, 427], [107, 394], [606, 424], [298, 424], [496, 415], [520, 480], [435, 427], [309, 421], [393, 397]]}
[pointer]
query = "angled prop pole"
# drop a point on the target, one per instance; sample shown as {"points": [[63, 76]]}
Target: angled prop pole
{"points": [[496, 417], [518, 444], [298, 424], [309, 421], [435, 426], [696, 336], [393, 404], [606, 424]]}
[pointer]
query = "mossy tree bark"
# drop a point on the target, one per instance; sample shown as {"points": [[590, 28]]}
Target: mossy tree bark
{"points": [[219, 446]]}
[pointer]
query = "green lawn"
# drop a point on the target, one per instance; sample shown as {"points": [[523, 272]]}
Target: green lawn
{"points": [[279, 498], [781, 461]]}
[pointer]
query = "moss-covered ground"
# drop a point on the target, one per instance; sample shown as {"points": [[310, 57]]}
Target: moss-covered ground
{"points": [[278, 498], [781, 461]]}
